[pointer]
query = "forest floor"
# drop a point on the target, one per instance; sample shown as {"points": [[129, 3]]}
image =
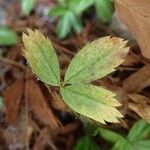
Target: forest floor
{"points": [[33, 115]]}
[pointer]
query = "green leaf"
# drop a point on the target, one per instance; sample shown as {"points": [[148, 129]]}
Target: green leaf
{"points": [[86, 143], [41, 57], [1, 103], [7, 36], [57, 11], [64, 25], [104, 9], [78, 6], [89, 127], [139, 131], [75, 22], [27, 6], [143, 145], [123, 144], [109, 135], [91, 101], [96, 60]]}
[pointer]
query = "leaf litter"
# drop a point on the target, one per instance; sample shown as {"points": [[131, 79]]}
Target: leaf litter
{"points": [[130, 81]]}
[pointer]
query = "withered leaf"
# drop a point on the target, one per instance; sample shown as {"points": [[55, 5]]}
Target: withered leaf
{"points": [[135, 14], [39, 106], [12, 99], [138, 81], [142, 110]]}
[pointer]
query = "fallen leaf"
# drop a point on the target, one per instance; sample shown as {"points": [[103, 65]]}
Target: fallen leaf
{"points": [[135, 14], [142, 110], [12, 99], [138, 81], [140, 99], [39, 106], [44, 139], [57, 102], [141, 105]]}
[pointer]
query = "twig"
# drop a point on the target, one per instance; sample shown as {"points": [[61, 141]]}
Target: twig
{"points": [[12, 62]]}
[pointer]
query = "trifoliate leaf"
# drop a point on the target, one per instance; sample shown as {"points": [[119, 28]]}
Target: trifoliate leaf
{"points": [[7, 36], [91, 101], [86, 143], [139, 131], [41, 57], [96, 60]]}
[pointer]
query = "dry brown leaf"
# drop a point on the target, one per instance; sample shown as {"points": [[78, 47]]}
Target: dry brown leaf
{"points": [[39, 106], [12, 99], [138, 81], [142, 110], [130, 61], [140, 99], [135, 14], [44, 139], [56, 102]]}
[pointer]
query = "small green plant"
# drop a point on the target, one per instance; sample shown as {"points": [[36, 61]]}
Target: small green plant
{"points": [[135, 140], [94, 61], [70, 12]]}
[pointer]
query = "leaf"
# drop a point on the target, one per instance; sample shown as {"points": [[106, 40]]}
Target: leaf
{"points": [[135, 14], [7, 36], [64, 25], [41, 57], [57, 11], [39, 106], [143, 110], [78, 6], [27, 6], [143, 145], [139, 131], [138, 80], [96, 60], [123, 144], [109, 135], [104, 9], [91, 101], [12, 99], [86, 143], [1, 103], [75, 22]]}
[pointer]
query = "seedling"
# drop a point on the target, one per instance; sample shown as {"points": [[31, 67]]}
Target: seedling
{"points": [[70, 12], [135, 140], [94, 61]]}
